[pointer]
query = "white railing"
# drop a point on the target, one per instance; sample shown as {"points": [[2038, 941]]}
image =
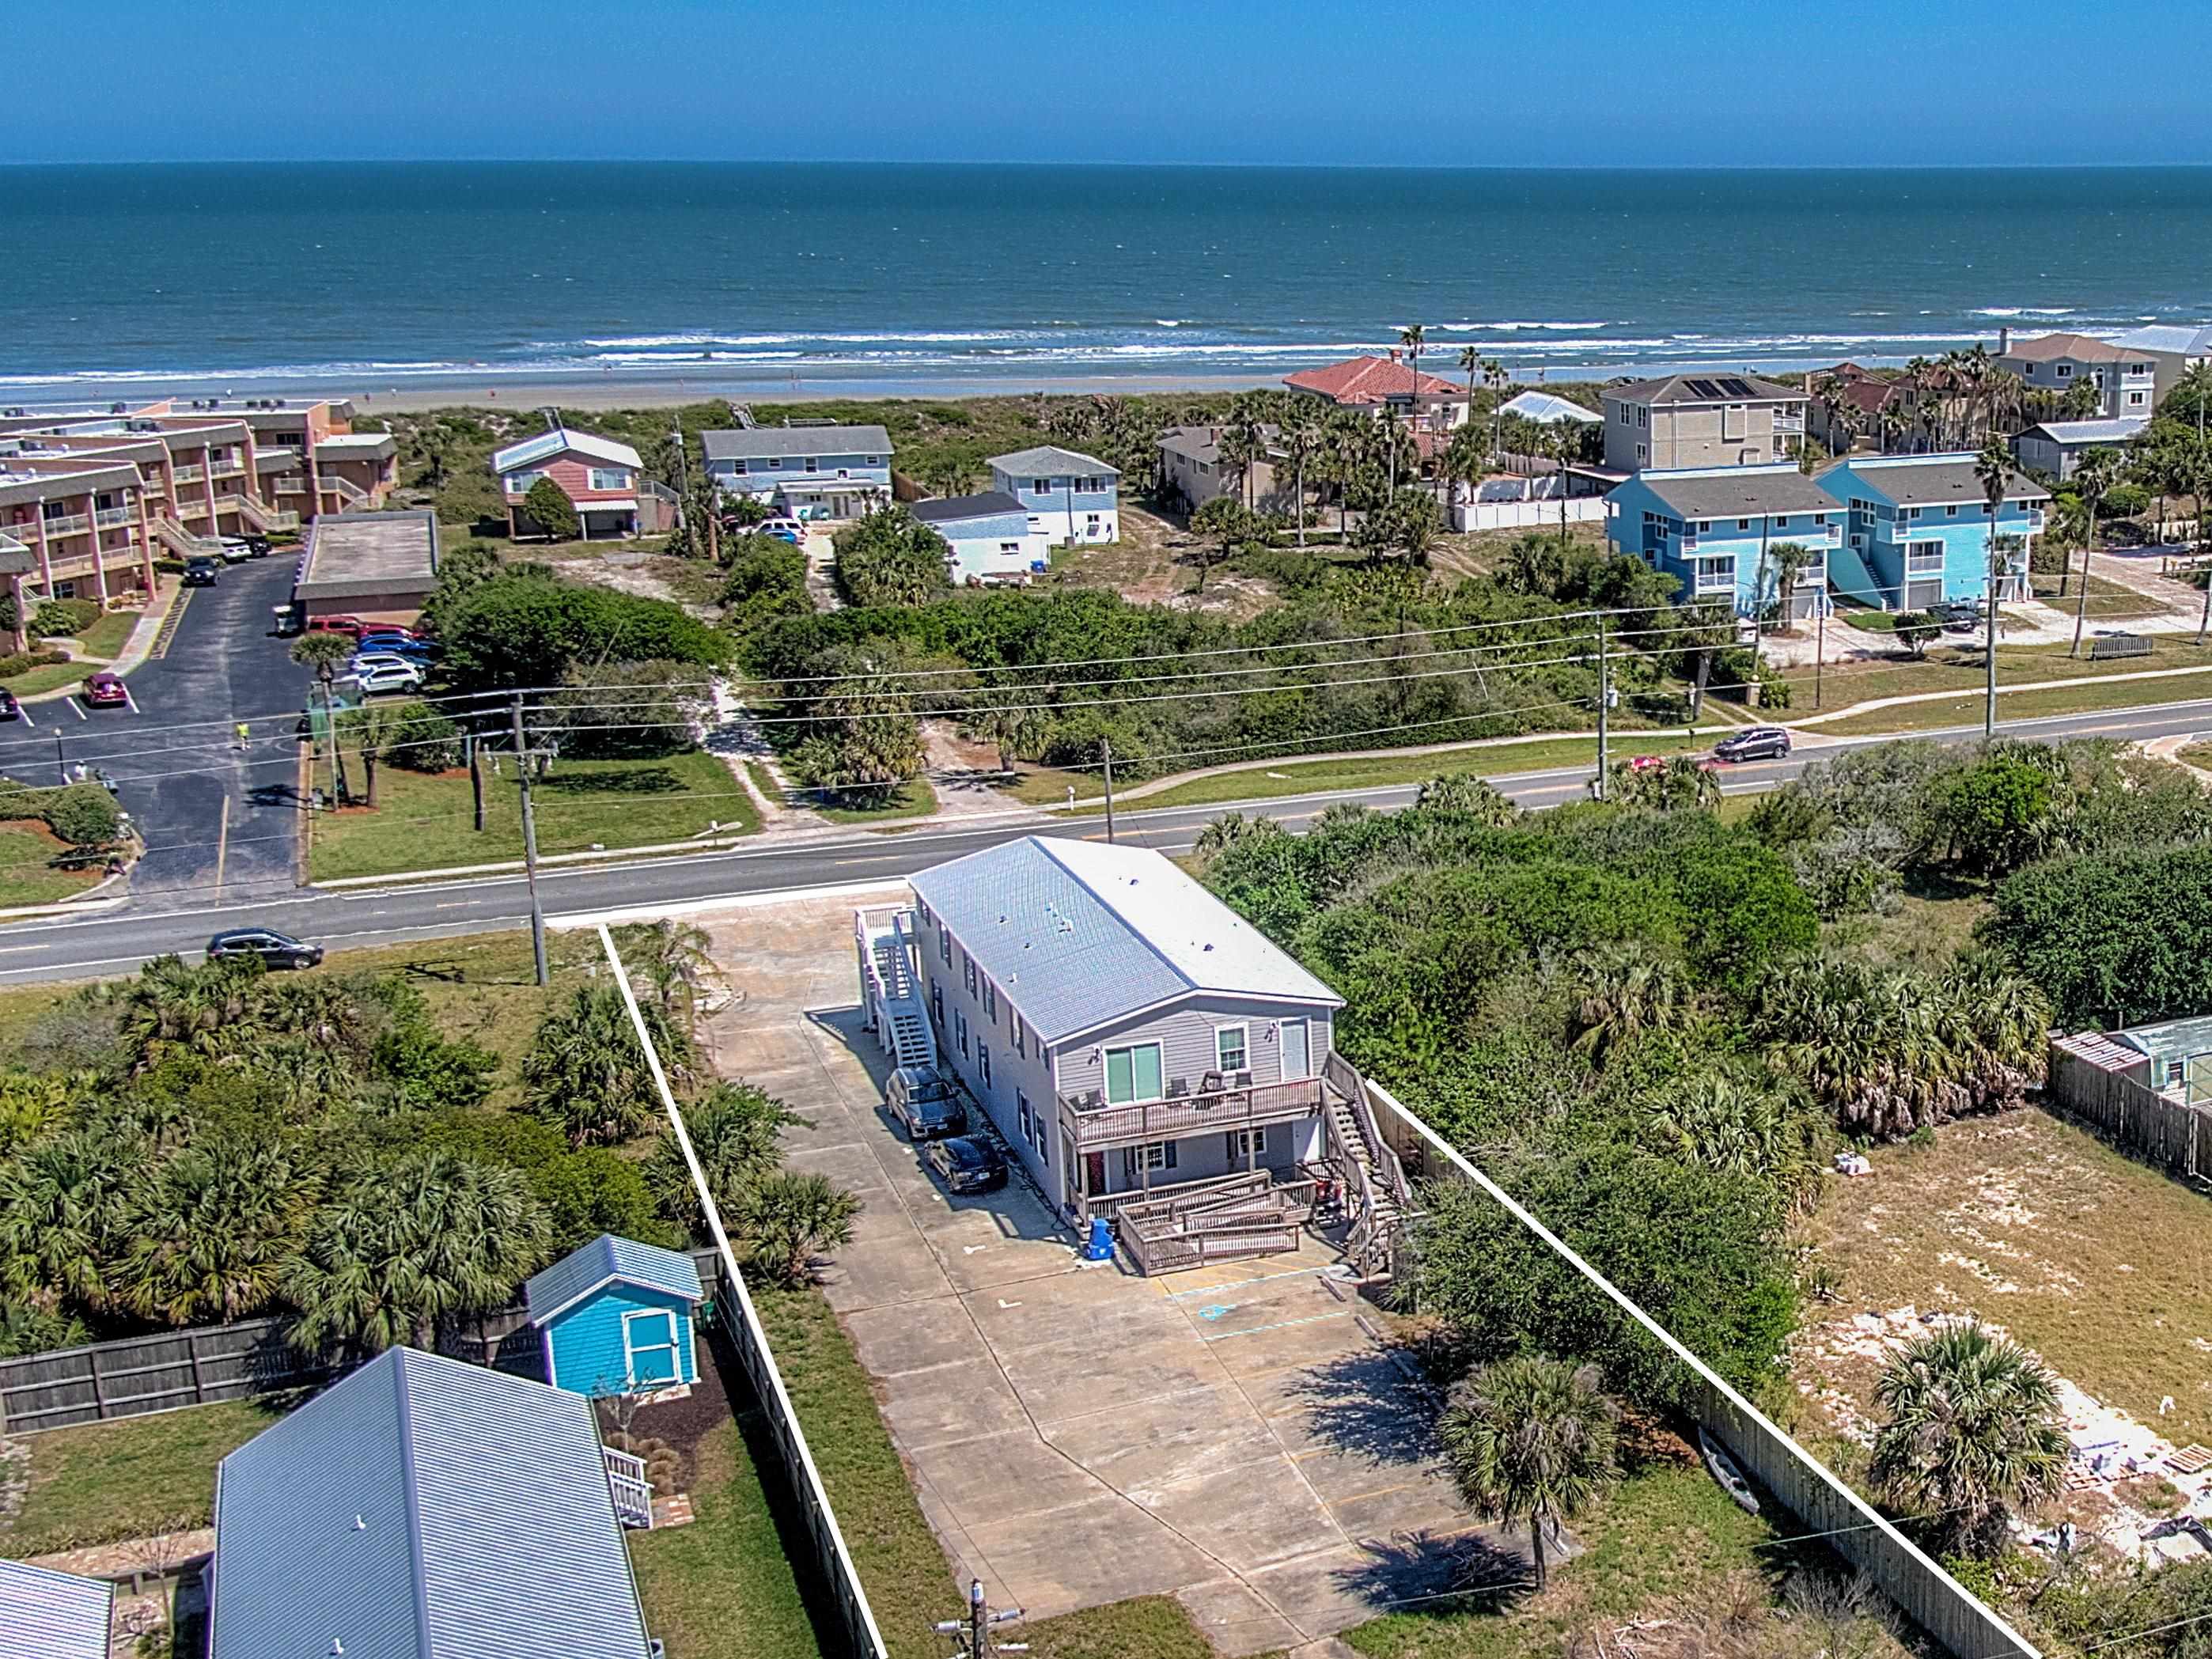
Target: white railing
{"points": [[633, 1492], [344, 488], [108, 517], [225, 468], [188, 474], [72, 524]]}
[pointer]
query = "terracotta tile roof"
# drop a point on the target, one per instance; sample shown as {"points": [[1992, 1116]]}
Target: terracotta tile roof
{"points": [[1368, 381], [1869, 396]]}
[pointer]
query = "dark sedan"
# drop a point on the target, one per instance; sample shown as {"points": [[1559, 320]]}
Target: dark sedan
{"points": [[966, 1165], [276, 949], [1756, 742]]}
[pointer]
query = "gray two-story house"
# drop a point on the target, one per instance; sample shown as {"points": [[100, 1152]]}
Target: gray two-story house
{"points": [[1073, 498], [825, 472], [1701, 420]]}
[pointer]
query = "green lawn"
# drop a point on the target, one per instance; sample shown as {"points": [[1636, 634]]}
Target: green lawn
{"points": [[424, 822], [128, 1479], [1966, 708], [722, 1587], [51, 676], [28, 875], [105, 638], [914, 799]]}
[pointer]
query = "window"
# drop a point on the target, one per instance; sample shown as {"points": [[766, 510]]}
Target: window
{"points": [[1245, 1142], [1232, 1050], [983, 1061], [738, 466], [813, 463], [2136, 398], [649, 1356], [1782, 521], [871, 460], [2138, 369], [960, 1031], [968, 967], [1021, 1037], [1009, 547], [1157, 1155], [1041, 486], [773, 463], [1923, 558], [944, 944], [1643, 416], [1820, 518], [1743, 524], [1642, 455], [518, 483], [1951, 511], [1132, 1074], [937, 1006], [2065, 369], [1091, 520], [610, 477], [1021, 1112], [990, 1002]]}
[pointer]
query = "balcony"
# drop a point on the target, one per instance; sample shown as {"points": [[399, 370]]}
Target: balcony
{"points": [[1092, 1124], [109, 516], [74, 523], [225, 468], [184, 474]]}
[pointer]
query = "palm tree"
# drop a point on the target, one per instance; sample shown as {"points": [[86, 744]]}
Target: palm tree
{"points": [[1788, 561], [60, 1205], [1629, 990], [323, 653], [372, 727], [1299, 438], [1532, 1440], [788, 1220], [1497, 377], [671, 956], [1470, 359], [412, 1241], [1467, 792], [170, 1002], [584, 1071], [952, 475], [1993, 466], [736, 1131], [211, 1229], [1732, 1125], [2097, 472], [1972, 1433]]}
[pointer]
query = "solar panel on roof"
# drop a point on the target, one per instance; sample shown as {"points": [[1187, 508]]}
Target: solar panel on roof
{"points": [[1703, 388], [1734, 387]]}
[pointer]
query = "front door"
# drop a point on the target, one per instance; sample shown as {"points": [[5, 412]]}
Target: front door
{"points": [[1094, 1173], [1297, 1056]]}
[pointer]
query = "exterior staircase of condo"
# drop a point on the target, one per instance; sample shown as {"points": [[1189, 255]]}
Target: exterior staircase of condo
{"points": [[181, 541], [895, 1011], [265, 518]]}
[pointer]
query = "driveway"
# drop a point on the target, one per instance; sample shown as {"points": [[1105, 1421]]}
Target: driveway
{"points": [[1240, 1438], [171, 752]]}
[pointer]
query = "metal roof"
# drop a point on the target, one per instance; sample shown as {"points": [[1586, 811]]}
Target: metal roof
{"points": [[951, 509], [1078, 933], [2182, 339], [761, 442], [2117, 430], [1544, 407], [559, 441], [1739, 492], [52, 1615], [423, 1508], [374, 445], [1931, 480], [609, 1259], [1050, 458]]}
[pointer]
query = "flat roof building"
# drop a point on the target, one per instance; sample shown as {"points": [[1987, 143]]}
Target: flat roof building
{"points": [[380, 566]]}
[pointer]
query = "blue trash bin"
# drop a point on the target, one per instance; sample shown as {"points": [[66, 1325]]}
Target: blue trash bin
{"points": [[1099, 1246]]}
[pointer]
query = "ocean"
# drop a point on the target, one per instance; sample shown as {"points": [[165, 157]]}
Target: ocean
{"points": [[935, 279]]}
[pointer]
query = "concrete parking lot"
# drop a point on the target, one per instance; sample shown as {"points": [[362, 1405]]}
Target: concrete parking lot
{"points": [[1241, 1438], [171, 751]]}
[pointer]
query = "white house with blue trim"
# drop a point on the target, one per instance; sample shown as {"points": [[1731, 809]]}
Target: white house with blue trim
{"points": [[616, 1317], [422, 1508], [825, 472], [1715, 529], [1917, 531], [46, 1614], [1071, 498], [993, 538]]}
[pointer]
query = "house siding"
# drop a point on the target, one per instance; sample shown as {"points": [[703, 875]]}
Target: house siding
{"points": [[979, 547], [1879, 533], [1641, 523], [1690, 434], [767, 477], [1063, 511], [584, 1345]]}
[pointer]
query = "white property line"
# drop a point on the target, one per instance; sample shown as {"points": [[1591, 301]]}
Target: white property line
{"points": [[818, 1492], [1712, 1378]]}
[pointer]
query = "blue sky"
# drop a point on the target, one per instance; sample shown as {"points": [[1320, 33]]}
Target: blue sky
{"points": [[1603, 83]]}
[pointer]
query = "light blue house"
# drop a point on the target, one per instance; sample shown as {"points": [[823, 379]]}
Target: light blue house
{"points": [[825, 472], [1714, 529], [52, 1615], [1070, 497], [423, 1507], [990, 537], [616, 1317], [1917, 531]]}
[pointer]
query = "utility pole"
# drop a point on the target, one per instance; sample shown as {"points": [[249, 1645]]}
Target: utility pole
{"points": [[530, 847], [1106, 749], [61, 760], [1819, 642], [1604, 703], [1990, 702], [476, 778], [973, 1633]]}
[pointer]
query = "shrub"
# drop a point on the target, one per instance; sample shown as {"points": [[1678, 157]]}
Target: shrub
{"points": [[2123, 501], [423, 740], [23, 662], [1773, 691], [60, 618], [548, 506], [83, 815]]}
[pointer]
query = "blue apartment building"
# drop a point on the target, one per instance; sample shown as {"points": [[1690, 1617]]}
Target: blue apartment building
{"points": [[1071, 498], [1714, 529], [1917, 531]]}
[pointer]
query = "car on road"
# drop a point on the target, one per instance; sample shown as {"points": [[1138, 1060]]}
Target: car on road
{"points": [[385, 679], [1753, 743], [966, 1165], [923, 1102], [10, 709], [784, 530], [236, 550], [200, 572], [1645, 762], [351, 627], [276, 949], [106, 690]]}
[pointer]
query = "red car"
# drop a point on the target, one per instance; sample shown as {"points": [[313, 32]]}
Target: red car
{"points": [[105, 690], [349, 626], [1645, 762]]}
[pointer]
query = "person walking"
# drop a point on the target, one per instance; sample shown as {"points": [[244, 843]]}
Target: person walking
{"points": [[244, 735]]}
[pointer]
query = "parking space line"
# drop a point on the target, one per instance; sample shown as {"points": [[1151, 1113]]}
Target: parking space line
{"points": [[1279, 1325], [74, 708]]}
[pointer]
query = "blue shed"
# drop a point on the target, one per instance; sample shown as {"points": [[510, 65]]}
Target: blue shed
{"points": [[616, 1318]]}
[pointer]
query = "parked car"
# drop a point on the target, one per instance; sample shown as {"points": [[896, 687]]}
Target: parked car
{"points": [[10, 709], [965, 1165], [380, 658], [200, 573], [1645, 762], [385, 680], [398, 645], [276, 949], [1957, 616], [924, 1103], [1753, 743], [349, 626], [257, 547], [106, 690], [236, 550], [784, 530]]}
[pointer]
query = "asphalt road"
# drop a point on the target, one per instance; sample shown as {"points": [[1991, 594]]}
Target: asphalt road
{"points": [[117, 941], [171, 752]]}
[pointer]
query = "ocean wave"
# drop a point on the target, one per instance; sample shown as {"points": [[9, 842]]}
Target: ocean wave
{"points": [[1519, 327], [2022, 310]]}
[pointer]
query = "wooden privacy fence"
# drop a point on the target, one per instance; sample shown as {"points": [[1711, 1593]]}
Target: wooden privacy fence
{"points": [[1821, 1504], [2176, 1137], [171, 1370]]}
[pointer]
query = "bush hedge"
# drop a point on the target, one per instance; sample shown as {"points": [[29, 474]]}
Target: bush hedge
{"points": [[82, 814], [64, 618], [23, 662]]}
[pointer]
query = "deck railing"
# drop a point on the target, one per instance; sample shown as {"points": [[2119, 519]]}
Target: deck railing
{"points": [[108, 517], [188, 474], [633, 1492], [72, 524], [1091, 1123]]}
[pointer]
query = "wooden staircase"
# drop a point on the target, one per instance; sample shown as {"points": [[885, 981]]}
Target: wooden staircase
{"points": [[1377, 1199]]}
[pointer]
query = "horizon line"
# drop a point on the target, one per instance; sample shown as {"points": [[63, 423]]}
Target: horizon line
{"points": [[1185, 165]]}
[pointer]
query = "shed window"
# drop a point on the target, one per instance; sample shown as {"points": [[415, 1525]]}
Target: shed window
{"points": [[1132, 1074], [649, 1348]]}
